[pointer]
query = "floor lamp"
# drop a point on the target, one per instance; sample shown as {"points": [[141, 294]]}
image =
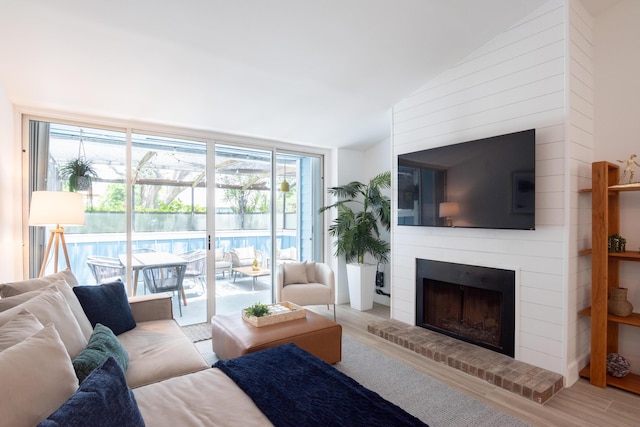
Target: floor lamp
{"points": [[56, 208]]}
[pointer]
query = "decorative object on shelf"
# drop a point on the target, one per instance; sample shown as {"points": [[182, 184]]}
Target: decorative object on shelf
{"points": [[275, 313], [618, 305], [617, 243], [617, 366], [628, 169]]}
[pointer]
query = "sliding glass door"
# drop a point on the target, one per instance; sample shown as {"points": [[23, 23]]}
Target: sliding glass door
{"points": [[168, 222], [253, 237], [146, 207], [243, 237]]}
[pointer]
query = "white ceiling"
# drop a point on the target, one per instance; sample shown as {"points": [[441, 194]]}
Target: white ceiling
{"points": [[315, 72]]}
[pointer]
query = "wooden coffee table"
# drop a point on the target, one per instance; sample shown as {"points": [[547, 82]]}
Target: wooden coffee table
{"points": [[249, 271], [231, 336]]}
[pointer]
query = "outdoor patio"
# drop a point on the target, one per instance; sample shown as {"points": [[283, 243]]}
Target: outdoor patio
{"points": [[231, 297]]}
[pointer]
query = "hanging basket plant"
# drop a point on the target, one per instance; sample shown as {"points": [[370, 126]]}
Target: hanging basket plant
{"points": [[78, 173]]}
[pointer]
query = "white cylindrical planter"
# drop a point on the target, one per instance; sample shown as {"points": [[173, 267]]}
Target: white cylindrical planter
{"points": [[361, 279]]}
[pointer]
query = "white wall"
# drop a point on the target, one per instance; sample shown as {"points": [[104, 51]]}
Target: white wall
{"points": [[10, 219], [580, 117], [617, 134], [378, 159], [349, 166], [354, 165], [515, 82]]}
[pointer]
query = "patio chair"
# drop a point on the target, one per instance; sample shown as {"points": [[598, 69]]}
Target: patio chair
{"points": [[196, 267], [168, 278], [287, 255], [223, 262], [106, 269], [243, 257]]}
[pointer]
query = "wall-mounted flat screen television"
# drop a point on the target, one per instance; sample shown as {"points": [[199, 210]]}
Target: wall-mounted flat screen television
{"points": [[486, 183]]}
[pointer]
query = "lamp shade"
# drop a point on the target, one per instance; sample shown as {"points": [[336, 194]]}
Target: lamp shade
{"points": [[56, 207], [284, 186], [449, 209]]}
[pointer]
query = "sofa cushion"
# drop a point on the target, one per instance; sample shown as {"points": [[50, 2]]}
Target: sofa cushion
{"points": [[307, 294], [16, 330], [159, 350], [16, 288], [245, 253], [107, 304], [37, 377], [288, 254], [69, 296], [230, 406], [311, 272], [102, 345], [295, 273], [103, 400], [51, 307]]}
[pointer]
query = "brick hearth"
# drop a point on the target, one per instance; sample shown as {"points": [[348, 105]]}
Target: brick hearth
{"points": [[526, 380]]}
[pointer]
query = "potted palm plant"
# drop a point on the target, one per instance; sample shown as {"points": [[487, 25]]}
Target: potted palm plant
{"points": [[79, 173], [362, 209]]}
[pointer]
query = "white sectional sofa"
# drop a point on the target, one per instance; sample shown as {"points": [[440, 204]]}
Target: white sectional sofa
{"points": [[88, 356], [171, 382]]}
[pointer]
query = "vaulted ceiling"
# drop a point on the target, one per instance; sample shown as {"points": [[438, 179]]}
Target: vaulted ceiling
{"points": [[315, 72]]}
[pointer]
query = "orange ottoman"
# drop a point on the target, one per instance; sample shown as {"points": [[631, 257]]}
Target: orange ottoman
{"points": [[232, 336]]}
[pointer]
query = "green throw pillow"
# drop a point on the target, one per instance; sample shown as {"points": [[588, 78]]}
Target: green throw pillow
{"points": [[102, 344]]}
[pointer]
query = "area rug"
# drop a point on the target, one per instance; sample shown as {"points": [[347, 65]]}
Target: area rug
{"points": [[198, 332], [431, 401]]}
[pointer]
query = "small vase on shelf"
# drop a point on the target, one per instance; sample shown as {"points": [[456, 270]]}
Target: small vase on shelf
{"points": [[617, 303]]}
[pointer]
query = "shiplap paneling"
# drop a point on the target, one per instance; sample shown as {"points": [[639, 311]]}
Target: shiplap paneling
{"points": [[580, 155], [515, 82]]}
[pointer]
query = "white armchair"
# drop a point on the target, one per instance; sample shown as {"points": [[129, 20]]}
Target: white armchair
{"points": [[306, 283]]}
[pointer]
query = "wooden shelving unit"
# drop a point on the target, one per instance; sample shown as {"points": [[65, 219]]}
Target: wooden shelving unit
{"points": [[605, 204]]}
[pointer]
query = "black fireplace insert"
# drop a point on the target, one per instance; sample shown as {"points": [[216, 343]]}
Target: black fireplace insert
{"points": [[471, 303]]}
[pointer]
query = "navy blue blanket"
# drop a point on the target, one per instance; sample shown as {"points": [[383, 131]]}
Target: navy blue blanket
{"points": [[294, 388]]}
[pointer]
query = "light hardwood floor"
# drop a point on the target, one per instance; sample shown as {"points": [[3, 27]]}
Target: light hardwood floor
{"points": [[580, 405]]}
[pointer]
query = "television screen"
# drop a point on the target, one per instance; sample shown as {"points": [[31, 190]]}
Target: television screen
{"points": [[486, 183]]}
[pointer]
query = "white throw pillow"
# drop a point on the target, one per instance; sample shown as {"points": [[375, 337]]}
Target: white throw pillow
{"points": [[37, 378], [16, 288], [295, 273], [18, 329], [69, 296], [245, 253], [219, 254], [285, 254], [51, 307], [311, 272]]}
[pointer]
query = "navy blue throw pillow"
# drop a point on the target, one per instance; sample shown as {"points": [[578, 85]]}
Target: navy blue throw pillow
{"points": [[103, 400], [107, 304]]}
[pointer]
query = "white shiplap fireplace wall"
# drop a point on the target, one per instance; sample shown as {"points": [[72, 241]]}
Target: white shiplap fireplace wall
{"points": [[522, 79]]}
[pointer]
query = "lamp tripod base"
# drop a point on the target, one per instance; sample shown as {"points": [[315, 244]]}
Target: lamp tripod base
{"points": [[56, 239]]}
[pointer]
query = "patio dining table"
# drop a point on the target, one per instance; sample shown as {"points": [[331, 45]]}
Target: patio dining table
{"points": [[149, 259]]}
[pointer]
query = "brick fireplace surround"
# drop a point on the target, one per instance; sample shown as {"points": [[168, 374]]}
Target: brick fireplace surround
{"points": [[526, 380]]}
